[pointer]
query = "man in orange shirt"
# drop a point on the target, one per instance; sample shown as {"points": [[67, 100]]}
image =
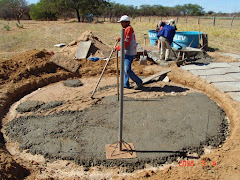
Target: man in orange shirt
{"points": [[130, 53]]}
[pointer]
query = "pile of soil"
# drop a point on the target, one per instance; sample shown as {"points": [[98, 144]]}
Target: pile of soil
{"points": [[24, 65], [97, 49], [30, 68]]}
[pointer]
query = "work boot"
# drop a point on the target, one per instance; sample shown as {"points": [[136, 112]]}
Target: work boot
{"points": [[137, 86], [127, 87]]}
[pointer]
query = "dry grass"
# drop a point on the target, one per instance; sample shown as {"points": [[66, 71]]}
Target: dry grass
{"points": [[43, 34]]}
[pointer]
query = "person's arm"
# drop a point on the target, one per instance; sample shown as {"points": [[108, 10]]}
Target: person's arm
{"points": [[157, 29], [128, 35], [160, 33]]}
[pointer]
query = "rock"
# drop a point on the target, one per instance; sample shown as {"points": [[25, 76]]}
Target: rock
{"points": [[73, 83]]}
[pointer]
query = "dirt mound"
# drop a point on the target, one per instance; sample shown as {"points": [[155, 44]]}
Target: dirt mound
{"points": [[9, 169], [24, 65], [97, 49]]}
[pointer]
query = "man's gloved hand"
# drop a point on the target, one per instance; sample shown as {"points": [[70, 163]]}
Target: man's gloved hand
{"points": [[117, 48]]}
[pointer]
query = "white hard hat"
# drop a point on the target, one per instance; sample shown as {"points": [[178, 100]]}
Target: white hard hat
{"points": [[124, 18]]}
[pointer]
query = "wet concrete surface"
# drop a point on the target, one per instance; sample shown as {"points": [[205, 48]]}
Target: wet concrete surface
{"points": [[73, 83], [160, 129], [33, 106]]}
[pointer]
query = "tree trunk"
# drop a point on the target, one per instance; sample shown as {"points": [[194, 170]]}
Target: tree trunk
{"points": [[78, 16], [18, 20]]}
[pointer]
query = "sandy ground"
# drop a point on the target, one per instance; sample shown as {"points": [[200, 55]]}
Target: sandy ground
{"points": [[32, 70]]}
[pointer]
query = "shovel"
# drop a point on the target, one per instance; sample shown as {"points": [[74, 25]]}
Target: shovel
{"points": [[143, 59]]}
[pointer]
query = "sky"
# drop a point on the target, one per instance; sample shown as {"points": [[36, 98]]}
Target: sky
{"points": [[226, 6]]}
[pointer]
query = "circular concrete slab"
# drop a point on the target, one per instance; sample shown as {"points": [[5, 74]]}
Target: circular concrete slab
{"points": [[160, 130]]}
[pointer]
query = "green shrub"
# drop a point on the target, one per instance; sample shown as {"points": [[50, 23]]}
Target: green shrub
{"points": [[19, 25], [40, 12], [7, 27]]}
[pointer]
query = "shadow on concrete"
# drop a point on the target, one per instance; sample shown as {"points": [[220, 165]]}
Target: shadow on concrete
{"points": [[210, 49], [199, 63], [157, 151], [166, 89]]}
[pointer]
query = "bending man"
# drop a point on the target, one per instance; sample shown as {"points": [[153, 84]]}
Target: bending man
{"points": [[166, 35]]}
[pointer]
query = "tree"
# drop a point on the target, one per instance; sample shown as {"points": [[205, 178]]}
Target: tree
{"points": [[146, 10], [5, 12], [43, 10], [81, 7], [192, 10], [210, 12], [179, 10], [16, 8]]}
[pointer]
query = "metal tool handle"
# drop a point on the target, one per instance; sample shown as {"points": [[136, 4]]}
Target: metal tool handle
{"points": [[103, 70], [178, 45], [145, 37]]}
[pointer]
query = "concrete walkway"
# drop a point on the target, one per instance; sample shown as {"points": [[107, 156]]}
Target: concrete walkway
{"points": [[236, 56], [224, 76]]}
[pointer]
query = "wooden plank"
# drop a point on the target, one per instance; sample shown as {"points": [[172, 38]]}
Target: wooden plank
{"points": [[82, 49], [155, 76], [67, 63], [113, 152]]}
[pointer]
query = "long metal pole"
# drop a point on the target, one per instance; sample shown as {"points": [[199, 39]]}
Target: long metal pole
{"points": [[121, 88]]}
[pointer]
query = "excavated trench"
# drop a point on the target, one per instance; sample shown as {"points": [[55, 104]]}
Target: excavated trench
{"points": [[161, 129]]}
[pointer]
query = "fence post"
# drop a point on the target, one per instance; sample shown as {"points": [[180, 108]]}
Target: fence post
{"points": [[232, 20], [198, 20], [149, 18], [186, 20], [177, 19], [214, 19]]}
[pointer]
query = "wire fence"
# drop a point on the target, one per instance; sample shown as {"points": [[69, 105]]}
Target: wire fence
{"points": [[207, 20]]}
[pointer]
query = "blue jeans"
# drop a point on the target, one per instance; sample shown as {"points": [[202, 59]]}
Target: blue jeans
{"points": [[128, 73]]}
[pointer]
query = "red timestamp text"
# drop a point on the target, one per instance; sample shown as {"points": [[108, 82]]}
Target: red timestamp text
{"points": [[213, 163], [186, 163], [191, 163]]}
